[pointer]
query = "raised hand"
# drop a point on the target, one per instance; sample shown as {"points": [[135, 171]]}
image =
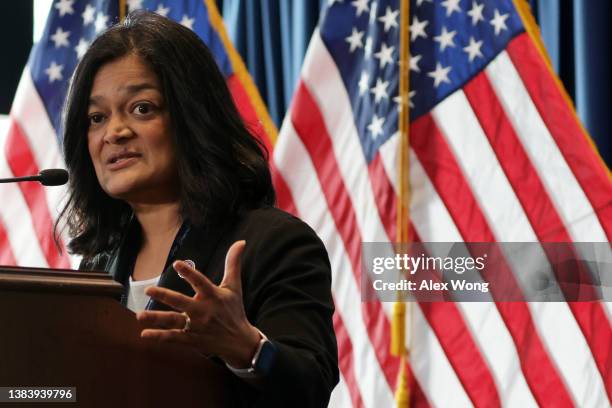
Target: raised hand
{"points": [[213, 320]]}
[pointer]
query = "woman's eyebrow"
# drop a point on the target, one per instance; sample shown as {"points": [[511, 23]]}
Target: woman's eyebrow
{"points": [[134, 88], [127, 89]]}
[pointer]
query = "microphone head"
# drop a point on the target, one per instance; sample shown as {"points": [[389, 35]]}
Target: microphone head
{"points": [[53, 177]]}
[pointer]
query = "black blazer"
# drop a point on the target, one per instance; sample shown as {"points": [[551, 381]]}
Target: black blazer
{"points": [[286, 282]]}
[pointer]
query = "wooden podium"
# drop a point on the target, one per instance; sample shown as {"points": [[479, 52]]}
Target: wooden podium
{"points": [[66, 328]]}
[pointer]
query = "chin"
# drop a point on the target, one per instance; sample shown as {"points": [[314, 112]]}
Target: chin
{"points": [[120, 190], [133, 188]]}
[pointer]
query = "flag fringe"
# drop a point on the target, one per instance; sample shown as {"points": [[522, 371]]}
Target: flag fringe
{"points": [[242, 72], [398, 329], [402, 392]]}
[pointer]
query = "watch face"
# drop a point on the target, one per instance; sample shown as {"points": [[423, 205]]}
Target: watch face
{"points": [[266, 358]]}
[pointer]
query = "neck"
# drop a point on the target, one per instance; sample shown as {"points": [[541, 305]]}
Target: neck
{"points": [[159, 222]]}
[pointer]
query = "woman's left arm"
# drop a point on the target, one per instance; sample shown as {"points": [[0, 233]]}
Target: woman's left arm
{"points": [[287, 283], [289, 300]]}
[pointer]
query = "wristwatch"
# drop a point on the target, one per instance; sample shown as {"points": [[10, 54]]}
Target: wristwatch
{"points": [[263, 358]]}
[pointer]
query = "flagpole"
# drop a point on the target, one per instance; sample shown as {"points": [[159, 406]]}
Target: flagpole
{"points": [[398, 337], [122, 9]]}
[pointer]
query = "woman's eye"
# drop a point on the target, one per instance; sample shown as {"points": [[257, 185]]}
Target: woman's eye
{"points": [[143, 108], [96, 118]]}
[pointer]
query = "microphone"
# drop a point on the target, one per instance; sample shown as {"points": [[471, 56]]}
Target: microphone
{"points": [[48, 177]]}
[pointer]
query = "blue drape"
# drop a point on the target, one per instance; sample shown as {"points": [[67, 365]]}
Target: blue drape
{"points": [[577, 36], [272, 36]]}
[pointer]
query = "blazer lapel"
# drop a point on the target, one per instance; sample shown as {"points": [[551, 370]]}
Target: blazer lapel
{"points": [[116, 263], [199, 245]]}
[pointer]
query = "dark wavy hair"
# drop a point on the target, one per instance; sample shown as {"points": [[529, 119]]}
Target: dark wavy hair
{"points": [[222, 168]]}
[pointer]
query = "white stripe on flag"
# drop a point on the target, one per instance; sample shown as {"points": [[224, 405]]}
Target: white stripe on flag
{"points": [[431, 367], [570, 352], [340, 397], [15, 216], [31, 115], [389, 154], [608, 308], [294, 164], [572, 204], [434, 224], [335, 107], [501, 208], [496, 343], [333, 102], [470, 146], [566, 344], [427, 210]]}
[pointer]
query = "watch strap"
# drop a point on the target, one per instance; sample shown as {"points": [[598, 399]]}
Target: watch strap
{"points": [[252, 372]]}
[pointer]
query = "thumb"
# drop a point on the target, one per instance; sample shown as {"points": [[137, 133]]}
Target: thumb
{"points": [[233, 264]]}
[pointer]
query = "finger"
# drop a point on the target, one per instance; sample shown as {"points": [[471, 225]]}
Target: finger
{"points": [[170, 336], [175, 300], [200, 283], [161, 319], [233, 265]]}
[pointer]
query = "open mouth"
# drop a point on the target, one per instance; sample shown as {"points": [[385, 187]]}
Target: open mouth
{"points": [[121, 157]]}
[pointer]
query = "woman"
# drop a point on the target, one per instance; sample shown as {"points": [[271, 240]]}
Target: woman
{"points": [[169, 188]]}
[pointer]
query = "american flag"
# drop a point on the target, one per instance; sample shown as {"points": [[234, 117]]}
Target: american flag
{"points": [[496, 154], [31, 139]]}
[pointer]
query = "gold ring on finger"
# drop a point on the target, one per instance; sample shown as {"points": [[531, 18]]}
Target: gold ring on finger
{"points": [[187, 322]]}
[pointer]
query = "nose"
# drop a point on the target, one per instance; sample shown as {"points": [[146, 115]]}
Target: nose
{"points": [[118, 130]]}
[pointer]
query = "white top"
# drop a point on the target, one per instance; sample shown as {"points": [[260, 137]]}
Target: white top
{"points": [[137, 299]]}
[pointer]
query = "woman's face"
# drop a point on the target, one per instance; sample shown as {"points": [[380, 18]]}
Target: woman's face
{"points": [[129, 136]]}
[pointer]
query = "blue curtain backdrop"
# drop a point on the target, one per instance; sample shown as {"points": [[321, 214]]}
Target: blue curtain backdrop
{"points": [[272, 36], [577, 36]]}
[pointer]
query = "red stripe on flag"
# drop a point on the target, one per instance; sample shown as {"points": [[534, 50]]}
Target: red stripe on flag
{"points": [[462, 352], [595, 326], [345, 346], [459, 346], [564, 128], [310, 127], [418, 399], [448, 324], [284, 200], [21, 161], [247, 111], [384, 196], [345, 360], [540, 210], [511, 155], [450, 183], [6, 254]]}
